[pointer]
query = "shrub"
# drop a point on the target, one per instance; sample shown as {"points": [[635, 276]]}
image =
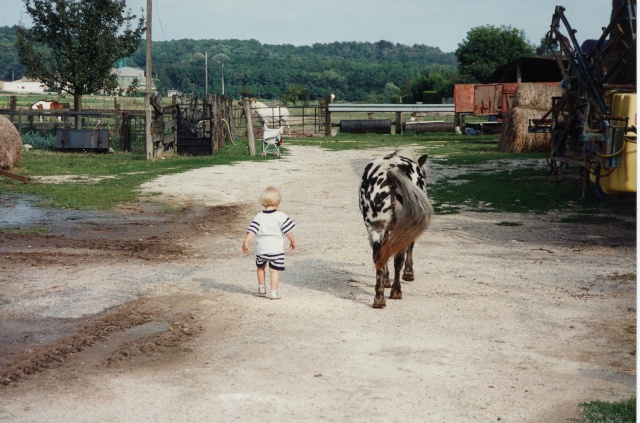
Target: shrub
{"points": [[39, 141]]}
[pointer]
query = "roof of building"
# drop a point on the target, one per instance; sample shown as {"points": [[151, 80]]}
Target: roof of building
{"points": [[25, 79], [532, 69], [129, 71]]}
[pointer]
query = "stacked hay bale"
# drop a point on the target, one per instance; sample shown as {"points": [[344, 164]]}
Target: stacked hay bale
{"points": [[10, 144], [530, 101]]}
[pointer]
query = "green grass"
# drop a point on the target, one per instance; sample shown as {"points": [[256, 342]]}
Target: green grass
{"points": [[505, 223], [38, 230], [444, 141], [495, 188], [588, 219], [608, 412], [512, 191], [488, 184], [624, 277], [127, 171]]}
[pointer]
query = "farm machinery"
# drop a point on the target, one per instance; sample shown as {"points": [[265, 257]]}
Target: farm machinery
{"points": [[593, 125]]}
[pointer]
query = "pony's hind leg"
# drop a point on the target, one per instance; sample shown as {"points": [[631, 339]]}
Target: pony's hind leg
{"points": [[408, 274], [385, 276], [379, 301], [396, 290]]}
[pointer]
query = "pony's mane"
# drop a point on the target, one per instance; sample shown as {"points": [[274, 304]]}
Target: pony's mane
{"points": [[406, 153]]}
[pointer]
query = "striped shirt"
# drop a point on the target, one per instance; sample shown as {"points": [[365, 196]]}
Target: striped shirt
{"points": [[270, 228]]}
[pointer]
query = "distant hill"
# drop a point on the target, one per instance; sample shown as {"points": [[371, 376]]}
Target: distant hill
{"points": [[353, 71]]}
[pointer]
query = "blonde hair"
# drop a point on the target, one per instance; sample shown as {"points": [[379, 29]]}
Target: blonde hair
{"points": [[270, 197]]}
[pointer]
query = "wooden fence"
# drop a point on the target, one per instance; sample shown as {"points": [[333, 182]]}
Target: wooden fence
{"points": [[188, 125]]}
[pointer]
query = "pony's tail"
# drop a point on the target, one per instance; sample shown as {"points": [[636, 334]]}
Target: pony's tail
{"points": [[412, 217]]}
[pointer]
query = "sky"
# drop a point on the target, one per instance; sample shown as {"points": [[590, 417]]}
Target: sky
{"points": [[442, 23]]}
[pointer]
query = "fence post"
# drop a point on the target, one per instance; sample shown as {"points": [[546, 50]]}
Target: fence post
{"points": [[13, 105], [398, 123], [247, 112], [327, 123]]}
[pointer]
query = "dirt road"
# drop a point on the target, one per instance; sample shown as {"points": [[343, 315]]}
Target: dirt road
{"points": [[145, 314]]}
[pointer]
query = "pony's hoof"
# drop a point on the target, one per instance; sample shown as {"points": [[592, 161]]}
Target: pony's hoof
{"points": [[387, 285], [395, 296], [379, 303], [409, 277]]}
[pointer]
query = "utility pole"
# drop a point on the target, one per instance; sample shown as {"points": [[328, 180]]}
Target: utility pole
{"points": [[222, 64], [147, 97], [250, 140], [206, 74]]}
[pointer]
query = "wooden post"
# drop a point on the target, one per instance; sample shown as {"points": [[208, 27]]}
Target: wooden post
{"points": [[327, 123], [13, 105], [247, 112], [219, 116], [147, 97], [398, 123]]}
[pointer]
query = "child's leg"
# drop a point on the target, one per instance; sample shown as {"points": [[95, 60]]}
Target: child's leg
{"points": [[261, 275], [274, 276]]}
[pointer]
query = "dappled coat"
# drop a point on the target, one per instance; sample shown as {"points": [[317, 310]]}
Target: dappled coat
{"points": [[396, 211]]}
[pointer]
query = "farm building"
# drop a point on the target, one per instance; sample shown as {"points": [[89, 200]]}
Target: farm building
{"points": [[527, 69], [24, 85], [126, 75]]}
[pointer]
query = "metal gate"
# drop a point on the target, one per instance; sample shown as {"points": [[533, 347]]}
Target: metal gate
{"points": [[195, 124]]}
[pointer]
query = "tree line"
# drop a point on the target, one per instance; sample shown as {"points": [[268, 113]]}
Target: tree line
{"points": [[352, 71]]}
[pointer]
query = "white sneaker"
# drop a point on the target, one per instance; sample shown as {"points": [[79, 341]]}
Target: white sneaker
{"points": [[274, 295], [262, 290]]}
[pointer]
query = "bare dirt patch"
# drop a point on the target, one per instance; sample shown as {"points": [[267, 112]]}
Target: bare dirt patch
{"points": [[145, 329], [112, 316]]}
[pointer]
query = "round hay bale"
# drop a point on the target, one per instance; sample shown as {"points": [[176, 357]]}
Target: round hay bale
{"points": [[10, 144], [515, 136], [536, 95]]}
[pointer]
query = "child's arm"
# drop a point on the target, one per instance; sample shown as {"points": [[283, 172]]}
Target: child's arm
{"points": [[245, 244], [292, 241]]}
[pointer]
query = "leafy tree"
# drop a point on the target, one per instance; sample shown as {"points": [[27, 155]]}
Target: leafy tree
{"points": [[246, 92], [487, 47], [221, 58], [74, 43], [10, 66], [133, 88], [391, 91], [294, 93], [431, 87], [543, 48]]}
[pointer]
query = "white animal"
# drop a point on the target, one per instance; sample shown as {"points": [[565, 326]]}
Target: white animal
{"points": [[272, 116]]}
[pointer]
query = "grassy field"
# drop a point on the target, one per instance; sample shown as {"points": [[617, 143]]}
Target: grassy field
{"points": [[105, 180], [88, 101], [102, 181]]}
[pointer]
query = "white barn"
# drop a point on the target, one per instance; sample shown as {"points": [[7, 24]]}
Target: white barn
{"points": [[126, 74], [24, 86]]}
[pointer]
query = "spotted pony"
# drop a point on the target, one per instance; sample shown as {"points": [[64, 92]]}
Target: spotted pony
{"points": [[396, 211]]}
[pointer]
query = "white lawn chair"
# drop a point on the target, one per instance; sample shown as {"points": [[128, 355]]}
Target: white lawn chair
{"points": [[271, 140]]}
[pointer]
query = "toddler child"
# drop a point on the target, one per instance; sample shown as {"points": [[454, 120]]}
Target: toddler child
{"points": [[270, 227]]}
